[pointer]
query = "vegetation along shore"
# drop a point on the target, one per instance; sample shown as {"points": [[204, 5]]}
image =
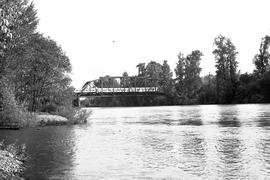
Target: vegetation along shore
{"points": [[35, 83], [226, 86]]}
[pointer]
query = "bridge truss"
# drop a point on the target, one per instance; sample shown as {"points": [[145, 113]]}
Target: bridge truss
{"points": [[120, 86]]}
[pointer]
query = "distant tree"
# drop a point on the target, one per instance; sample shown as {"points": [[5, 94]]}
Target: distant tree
{"points": [[153, 73], [192, 73], [208, 80], [165, 76], [226, 64], [188, 74], [180, 74], [141, 69], [153, 70], [125, 80], [108, 82], [125, 74], [246, 78], [207, 93], [167, 84], [261, 60], [247, 88], [264, 83]]}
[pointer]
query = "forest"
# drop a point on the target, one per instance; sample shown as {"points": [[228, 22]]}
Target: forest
{"points": [[226, 86]]}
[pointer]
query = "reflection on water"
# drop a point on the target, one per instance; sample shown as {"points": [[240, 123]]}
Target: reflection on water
{"points": [[229, 149], [193, 153], [229, 118], [50, 149], [263, 119], [178, 142]]}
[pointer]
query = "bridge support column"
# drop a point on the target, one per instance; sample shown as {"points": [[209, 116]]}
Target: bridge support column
{"points": [[78, 100], [101, 87], [113, 86]]}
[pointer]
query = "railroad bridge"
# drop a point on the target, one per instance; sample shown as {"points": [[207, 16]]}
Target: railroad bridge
{"points": [[120, 86]]}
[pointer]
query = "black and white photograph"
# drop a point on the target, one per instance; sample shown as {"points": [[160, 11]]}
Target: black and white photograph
{"points": [[134, 89]]}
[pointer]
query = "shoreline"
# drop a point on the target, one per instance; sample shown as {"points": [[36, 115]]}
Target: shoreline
{"points": [[40, 119], [50, 120], [175, 105], [10, 165]]}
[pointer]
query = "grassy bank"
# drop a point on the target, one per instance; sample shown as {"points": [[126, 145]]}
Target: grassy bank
{"points": [[65, 116], [77, 116]]}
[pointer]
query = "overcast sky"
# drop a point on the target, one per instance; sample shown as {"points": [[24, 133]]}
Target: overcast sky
{"points": [[108, 37]]}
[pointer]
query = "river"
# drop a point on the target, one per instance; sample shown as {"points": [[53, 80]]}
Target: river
{"points": [[174, 142]]}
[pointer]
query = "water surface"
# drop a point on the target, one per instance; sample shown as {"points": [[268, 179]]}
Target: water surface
{"points": [[177, 142]]}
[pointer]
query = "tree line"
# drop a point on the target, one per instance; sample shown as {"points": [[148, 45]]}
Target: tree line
{"points": [[226, 86], [34, 70]]}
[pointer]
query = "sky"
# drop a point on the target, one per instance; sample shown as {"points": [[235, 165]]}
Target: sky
{"points": [[108, 37]]}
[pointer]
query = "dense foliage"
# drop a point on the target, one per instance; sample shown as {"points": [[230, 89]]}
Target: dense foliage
{"points": [[188, 80], [42, 77], [226, 77], [227, 86], [33, 69]]}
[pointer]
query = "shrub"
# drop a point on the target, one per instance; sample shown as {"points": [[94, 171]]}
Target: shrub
{"points": [[10, 111], [81, 116], [28, 119], [74, 115]]}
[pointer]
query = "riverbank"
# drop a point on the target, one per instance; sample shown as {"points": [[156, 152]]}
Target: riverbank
{"points": [[12, 158], [37, 119], [50, 119], [11, 161], [78, 116], [9, 166]]}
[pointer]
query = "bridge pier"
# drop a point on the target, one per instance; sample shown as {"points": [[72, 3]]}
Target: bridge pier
{"points": [[78, 100]]}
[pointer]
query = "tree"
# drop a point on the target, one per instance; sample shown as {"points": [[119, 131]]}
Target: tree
{"points": [[192, 74], [261, 60], [18, 21], [141, 69], [165, 76], [180, 73], [226, 64], [153, 70], [264, 83], [125, 74], [188, 74], [207, 93], [167, 84], [43, 75], [153, 73], [107, 82], [125, 82]]}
